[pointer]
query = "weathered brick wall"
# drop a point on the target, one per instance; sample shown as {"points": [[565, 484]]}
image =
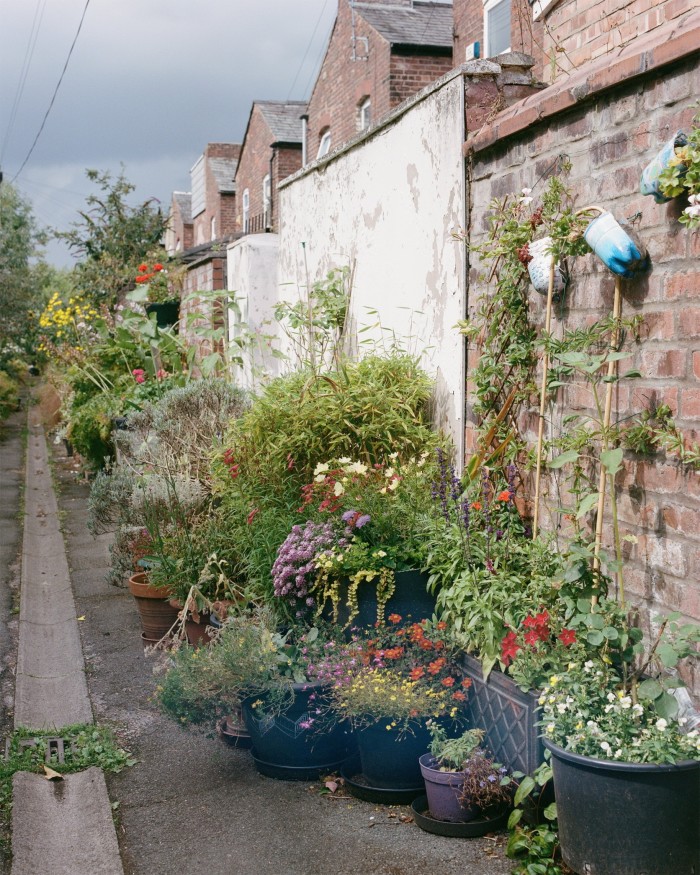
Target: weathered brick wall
{"points": [[609, 138], [411, 72], [208, 274], [286, 161], [179, 234], [576, 31]]}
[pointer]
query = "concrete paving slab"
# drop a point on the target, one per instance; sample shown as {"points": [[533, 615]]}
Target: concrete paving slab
{"points": [[63, 827], [55, 658]]}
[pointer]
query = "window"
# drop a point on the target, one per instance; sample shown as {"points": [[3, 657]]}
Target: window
{"points": [[246, 211], [324, 146], [365, 114], [213, 228], [267, 200], [496, 27]]}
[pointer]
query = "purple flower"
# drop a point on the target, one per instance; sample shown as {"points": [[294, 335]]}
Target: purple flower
{"points": [[362, 520]]}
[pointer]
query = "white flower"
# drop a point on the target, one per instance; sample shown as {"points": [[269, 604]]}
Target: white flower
{"points": [[610, 697], [605, 746], [338, 489], [525, 200], [682, 721], [626, 702], [550, 727], [694, 199], [608, 708], [393, 456], [617, 754], [693, 211], [356, 468], [321, 467], [637, 710], [526, 191], [561, 708], [389, 473], [587, 666], [661, 724]]}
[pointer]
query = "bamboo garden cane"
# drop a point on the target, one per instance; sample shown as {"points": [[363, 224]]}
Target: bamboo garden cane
{"points": [[543, 398]]}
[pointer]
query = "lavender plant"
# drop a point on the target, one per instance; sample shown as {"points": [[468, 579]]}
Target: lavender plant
{"points": [[295, 566]]}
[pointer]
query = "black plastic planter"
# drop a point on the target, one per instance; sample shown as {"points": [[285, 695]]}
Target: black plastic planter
{"points": [[167, 313], [410, 599], [627, 818]]}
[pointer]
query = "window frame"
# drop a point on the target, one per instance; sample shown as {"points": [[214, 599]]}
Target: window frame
{"points": [[245, 206], [364, 108], [326, 139], [489, 5], [267, 199]]}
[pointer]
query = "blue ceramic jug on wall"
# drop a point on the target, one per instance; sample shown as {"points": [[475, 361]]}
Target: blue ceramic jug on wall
{"points": [[614, 246]]}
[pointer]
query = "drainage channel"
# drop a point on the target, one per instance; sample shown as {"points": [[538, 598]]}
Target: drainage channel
{"points": [[63, 827]]}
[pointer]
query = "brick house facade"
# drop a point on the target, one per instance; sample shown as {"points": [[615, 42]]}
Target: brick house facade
{"points": [[179, 234], [610, 117], [378, 55], [271, 151], [213, 193]]}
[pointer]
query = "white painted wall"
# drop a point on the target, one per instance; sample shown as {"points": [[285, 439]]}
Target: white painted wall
{"points": [[252, 264], [387, 205]]}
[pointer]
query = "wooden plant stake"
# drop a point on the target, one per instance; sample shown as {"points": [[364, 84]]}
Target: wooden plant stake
{"points": [[612, 367], [543, 398]]}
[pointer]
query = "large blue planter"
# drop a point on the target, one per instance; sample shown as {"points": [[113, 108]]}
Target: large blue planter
{"points": [[297, 744], [389, 758], [410, 599]]}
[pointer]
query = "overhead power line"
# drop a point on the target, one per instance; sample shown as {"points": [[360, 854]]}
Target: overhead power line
{"points": [[308, 47], [55, 92]]}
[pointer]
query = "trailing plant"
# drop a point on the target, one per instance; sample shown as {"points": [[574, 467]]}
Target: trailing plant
{"points": [[682, 176], [501, 329], [654, 431]]}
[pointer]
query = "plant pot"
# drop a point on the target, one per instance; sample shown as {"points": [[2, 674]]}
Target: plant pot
{"points": [[538, 268], [389, 757], [473, 829], [627, 818], [444, 790], [614, 246], [507, 715], [167, 313], [155, 611], [286, 746], [650, 175], [410, 599]]}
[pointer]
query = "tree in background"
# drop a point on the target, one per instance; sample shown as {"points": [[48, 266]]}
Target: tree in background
{"points": [[112, 238], [24, 276]]}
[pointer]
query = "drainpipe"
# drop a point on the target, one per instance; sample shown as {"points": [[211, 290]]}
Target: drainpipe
{"points": [[304, 129], [270, 225]]}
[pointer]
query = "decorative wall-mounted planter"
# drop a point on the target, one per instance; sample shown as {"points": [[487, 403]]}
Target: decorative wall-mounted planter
{"points": [[539, 265], [614, 246], [650, 175], [167, 313], [507, 715]]}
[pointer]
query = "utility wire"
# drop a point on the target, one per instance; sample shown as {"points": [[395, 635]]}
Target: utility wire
{"points": [[26, 64], [308, 47], [53, 98]]}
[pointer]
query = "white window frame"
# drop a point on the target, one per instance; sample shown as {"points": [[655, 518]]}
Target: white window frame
{"points": [[267, 199], [488, 6], [212, 228], [324, 146], [245, 203], [365, 113]]}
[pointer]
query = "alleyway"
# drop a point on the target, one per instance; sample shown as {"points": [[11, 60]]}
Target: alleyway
{"points": [[192, 805]]}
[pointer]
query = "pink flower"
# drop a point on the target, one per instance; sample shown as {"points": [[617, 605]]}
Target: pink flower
{"points": [[161, 374], [139, 375]]}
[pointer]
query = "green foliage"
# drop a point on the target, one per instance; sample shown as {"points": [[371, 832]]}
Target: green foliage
{"points": [[9, 394], [112, 237], [90, 428], [535, 848], [654, 431], [453, 753]]}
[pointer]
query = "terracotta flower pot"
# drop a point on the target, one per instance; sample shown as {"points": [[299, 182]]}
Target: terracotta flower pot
{"points": [[155, 611]]}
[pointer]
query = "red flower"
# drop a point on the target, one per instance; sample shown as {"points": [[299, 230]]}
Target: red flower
{"points": [[141, 279], [567, 637], [393, 653], [233, 471], [436, 665], [466, 683], [509, 648], [395, 618], [542, 619], [476, 505], [441, 626], [416, 673], [532, 637], [251, 516], [505, 495], [459, 696], [448, 682], [143, 268], [157, 267]]}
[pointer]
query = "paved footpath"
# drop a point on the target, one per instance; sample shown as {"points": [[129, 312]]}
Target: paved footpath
{"points": [[192, 805]]}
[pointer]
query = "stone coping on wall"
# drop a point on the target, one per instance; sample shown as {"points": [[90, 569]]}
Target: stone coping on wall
{"points": [[663, 46]]}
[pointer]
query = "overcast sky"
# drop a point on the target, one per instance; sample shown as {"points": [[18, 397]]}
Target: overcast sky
{"points": [[149, 83]]}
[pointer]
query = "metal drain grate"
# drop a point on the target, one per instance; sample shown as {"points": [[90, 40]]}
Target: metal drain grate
{"points": [[55, 747]]}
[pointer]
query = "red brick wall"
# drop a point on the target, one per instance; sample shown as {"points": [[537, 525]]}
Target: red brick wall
{"points": [[286, 161], [177, 231], [410, 72], [218, 206], [609, 140], [343, 83], [576, 31], [254, 165]]}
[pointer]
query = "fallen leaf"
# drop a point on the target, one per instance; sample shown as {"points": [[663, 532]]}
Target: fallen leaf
{"points": [[81, 618], [50, 775], [405, 818], [332, 786]]}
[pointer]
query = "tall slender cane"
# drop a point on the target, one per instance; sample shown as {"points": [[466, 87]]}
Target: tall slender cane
{"points": [[543, 398], [612, 367]]}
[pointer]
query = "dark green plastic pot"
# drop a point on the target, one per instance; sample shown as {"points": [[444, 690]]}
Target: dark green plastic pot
{"points": [[627, 818], [411, 599]]}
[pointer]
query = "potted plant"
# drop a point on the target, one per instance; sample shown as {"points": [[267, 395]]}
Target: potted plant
{"points": [[626, 764], [162, 293], [268, 674], [681, 174], [398, 678], [359, 554], [462, 781]]}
